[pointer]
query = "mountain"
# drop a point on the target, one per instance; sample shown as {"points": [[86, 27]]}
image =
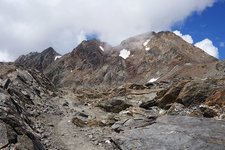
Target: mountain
{"points": [[162, 56], [152, 91], [39, 61]]}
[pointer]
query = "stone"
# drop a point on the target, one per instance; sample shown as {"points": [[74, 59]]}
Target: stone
{"points": [[3, 137], [65, 103], [175, 109], [194, 93], [174, 133], [208, 112], [134, 123], [217, 98], [79, 122], [24, 143], [171, 95], [6, 83], [114, 105], [148, 104]]}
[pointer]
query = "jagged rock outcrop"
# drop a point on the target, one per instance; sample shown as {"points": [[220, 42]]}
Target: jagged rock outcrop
{"points": [[39, 61], [20, 93]]}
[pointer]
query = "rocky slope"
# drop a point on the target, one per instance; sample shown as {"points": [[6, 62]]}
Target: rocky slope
{"points": [[21, 94], [153, 91]]}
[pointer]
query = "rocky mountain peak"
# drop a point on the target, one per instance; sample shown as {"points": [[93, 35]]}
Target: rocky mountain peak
{"points": [[36, 60], [90, 52], [88, 47], [49, 51]]}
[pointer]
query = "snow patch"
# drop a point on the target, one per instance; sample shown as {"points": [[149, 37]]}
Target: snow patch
{"points": [[146, 42], [153, 80], [147, 48], [57, 57], [102, 48], [162, 112], [188, 64], [124, 53], [107, 141]]}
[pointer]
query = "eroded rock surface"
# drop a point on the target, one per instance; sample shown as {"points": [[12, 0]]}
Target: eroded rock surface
{"points": [[174, 133]]}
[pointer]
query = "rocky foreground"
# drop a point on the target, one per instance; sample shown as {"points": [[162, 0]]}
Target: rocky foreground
{"points": [[92, 99], [183, 115]]}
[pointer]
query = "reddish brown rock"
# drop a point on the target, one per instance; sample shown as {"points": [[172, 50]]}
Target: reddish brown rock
{"points": [[218, 98]]}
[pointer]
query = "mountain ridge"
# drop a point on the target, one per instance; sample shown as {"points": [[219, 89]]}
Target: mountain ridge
{"points": [[149, 55]]}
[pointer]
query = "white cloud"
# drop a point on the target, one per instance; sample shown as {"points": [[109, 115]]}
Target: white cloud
{"points": [[5, 56], [81, 37], [32, 25], [208, 47], [186, 37], [206, 44]]}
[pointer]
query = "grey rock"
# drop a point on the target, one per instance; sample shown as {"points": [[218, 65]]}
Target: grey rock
{"points": [[208, 112], [6, 83], [148, 104], [134, 123], [175, 133], [114, 105], [65, 103], [3, 137]]}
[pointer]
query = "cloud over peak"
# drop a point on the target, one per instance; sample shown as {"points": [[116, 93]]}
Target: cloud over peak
{"points": [[186, 37], [4, 56], [208, 47], [206, 44], [32, 25]]}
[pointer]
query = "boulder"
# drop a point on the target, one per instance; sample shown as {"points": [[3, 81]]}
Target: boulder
{"points": [[114, 105], [6, 83], [217, 98], [208, 112], [171, 95], [174, 133], [134, 123], [148, 104]]}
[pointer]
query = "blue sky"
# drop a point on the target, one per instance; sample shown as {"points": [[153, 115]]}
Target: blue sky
{"points": [[208, 24]]}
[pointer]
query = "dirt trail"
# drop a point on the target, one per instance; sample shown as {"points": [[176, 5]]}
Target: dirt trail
{"points": [[64, 134]]}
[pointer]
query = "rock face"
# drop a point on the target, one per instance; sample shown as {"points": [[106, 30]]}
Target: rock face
{"points": [[39, 61], [174, 133]]}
